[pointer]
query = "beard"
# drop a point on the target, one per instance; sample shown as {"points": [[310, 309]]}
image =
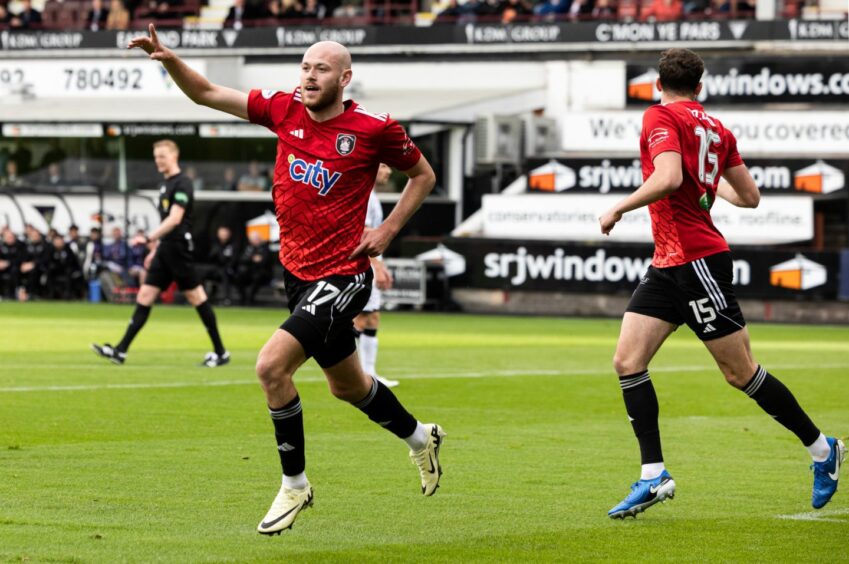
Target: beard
{"points": [[326, 98]]}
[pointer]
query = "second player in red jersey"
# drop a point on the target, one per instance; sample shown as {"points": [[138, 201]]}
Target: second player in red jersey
{"points": [[323, 176], [682, 228], [688, 160]]}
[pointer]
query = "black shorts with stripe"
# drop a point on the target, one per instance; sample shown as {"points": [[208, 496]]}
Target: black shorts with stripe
{"points": [[323, 313], [699, 293]]}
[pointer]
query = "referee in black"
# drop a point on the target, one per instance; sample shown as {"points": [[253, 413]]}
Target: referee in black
{"points": [[171, 260]]}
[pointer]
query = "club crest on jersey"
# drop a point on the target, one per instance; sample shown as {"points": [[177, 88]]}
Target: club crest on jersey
{"points": [[345, 143], [313, 174]]}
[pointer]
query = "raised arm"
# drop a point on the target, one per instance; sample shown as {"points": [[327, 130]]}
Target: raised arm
{"points": [[193, 84], [421, 182], [739, 188]]}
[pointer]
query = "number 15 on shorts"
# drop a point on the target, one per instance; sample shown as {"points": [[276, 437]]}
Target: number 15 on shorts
{"points": [[702, 310]]}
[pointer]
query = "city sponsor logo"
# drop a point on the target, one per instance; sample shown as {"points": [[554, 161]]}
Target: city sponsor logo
{"points": [[799, 273], [522, 266], [765, 83], [313, 174], [345, 143]]}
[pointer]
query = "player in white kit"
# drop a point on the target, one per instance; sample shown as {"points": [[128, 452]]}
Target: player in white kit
{"points": [[368, 321]]}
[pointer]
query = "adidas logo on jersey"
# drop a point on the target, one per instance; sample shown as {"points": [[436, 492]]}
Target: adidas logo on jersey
{"points": [[309, 308], [299, 133], [709, 328]]}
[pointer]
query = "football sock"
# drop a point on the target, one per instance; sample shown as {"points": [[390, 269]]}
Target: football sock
{"points": [[418, 440], [208, 317], [382, 407], [819, 449], [642, 408], [289, 432], [368, 350], [297, 482], [137, 321], [777, 401], [651, 471]]}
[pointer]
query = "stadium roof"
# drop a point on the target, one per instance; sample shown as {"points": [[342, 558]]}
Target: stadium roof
{"points": [[459, 106]]}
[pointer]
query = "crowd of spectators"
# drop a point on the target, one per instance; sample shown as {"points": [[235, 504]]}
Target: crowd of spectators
{"points": [[246, 270], [52, 266], [508, 11], [123, 14]]}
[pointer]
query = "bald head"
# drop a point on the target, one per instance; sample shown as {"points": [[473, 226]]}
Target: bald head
{"points": [[329, 52]]}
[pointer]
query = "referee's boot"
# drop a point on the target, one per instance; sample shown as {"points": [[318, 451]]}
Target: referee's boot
{"points": [[212, 360], [109, 352]]}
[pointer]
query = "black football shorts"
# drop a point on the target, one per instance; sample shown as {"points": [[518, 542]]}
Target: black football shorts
{"points": [[699, 293], [172, 262], [323, 313]]}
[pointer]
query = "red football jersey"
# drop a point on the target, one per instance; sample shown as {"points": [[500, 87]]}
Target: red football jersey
{"points": [[682, 228], [323, 176]]}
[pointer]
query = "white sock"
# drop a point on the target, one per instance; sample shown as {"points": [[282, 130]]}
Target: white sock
{"points": [[819, 449], [418, 440], [368, 353], [297, 482], [651, 471]]}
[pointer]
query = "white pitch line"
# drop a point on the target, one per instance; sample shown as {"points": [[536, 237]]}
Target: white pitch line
{"points": [[401, 374], [822, 515]]}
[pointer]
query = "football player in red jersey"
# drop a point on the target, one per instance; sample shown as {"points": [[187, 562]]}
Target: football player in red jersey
{"points": [[328, 153], [689, 158]]}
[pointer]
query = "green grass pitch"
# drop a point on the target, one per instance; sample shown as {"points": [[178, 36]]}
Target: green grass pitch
{"points": [[161, 460]]}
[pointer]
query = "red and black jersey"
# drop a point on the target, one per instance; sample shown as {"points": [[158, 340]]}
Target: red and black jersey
{"points": [[681, 224], [323, 176]]}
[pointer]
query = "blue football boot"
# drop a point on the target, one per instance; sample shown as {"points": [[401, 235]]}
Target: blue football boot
{"points": [[826, 473], [644, 494]]}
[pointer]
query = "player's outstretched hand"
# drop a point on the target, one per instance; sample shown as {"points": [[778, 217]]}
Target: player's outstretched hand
{"points": [[373, 242], [151, 45], [608, 219]]}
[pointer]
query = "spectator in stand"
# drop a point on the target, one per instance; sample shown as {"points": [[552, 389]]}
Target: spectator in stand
{"points": [[163, 9], [53, 177], [586, 9], [349, 9], [228, 183], [197, 181], [253, 180], [450, 14], [97, 16], [254, 269], [12, 254], [11, 179], [552, 9], [663, 11], [119, 16], [28, 17], [239, 12], [136, 269], [488, 10], [93, 263], [292, 10], [515, 10], [76, 243], [34, 265], [273, 9], [64, 275], [116, 255], [223, 256], [314, 10], [5, 17]]}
